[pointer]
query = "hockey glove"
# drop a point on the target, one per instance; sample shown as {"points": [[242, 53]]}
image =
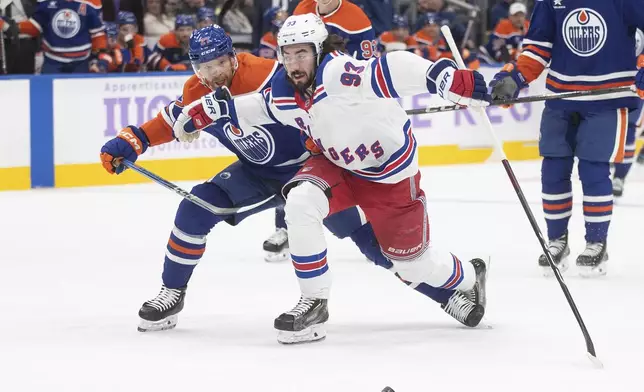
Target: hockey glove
{"points": [[507, 83], [309, 144], [200, 114], [462, 87], [129, 144]]}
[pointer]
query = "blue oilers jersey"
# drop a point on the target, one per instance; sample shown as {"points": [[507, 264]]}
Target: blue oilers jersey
{"points": [[69, 29], [588, 45]]}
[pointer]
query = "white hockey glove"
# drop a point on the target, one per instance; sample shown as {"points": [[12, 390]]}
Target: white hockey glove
{"points": [[200, 114], [463, 87]]}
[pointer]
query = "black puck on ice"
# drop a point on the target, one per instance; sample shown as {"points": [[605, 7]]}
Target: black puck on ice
{"points": [[388, 389]]}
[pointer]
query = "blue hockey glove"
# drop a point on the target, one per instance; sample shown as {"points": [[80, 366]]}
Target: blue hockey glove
{"points": [[129, 144]]}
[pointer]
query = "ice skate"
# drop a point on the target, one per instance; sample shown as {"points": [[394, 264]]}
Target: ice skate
{"points": [[161, 313], [559, 251], [276, 246], [304, 323], [592, 261], [468, 307], [618, 187]]}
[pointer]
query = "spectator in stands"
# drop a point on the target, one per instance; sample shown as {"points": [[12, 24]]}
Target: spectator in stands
{"points": [[499, 11], [260, 27], [398, 38], [111, 9], [205, 17], [268, 45], [156, 22], [505, 41], [433, 46], [171, 7], [171, 52], [20, 49], [130, 52], [379, 12], [235, 21], [191, 7]]}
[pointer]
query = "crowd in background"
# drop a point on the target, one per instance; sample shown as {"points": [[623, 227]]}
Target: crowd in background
{"points": [[153, 35]]}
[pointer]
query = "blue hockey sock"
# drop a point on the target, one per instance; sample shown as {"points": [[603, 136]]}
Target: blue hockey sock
{"points": [[598, 198], [556, 189], [280, 222]]}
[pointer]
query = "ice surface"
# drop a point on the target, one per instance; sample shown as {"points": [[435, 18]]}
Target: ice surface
{"points": [[76, 264]]}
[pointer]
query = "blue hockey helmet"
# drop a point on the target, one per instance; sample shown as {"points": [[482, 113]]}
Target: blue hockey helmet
{"points": [[205, 13], [126, 17], [207, 44], [400, 22], [183, 20], [111, 29], [275, 17]]}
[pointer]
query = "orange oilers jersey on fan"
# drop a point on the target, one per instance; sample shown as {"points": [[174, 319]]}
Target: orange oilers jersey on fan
{"points": [[168, 53], [505, 36], [268, 46], [388, 38], [349, 22], [124, 59], [253, 75], [434, 50]]}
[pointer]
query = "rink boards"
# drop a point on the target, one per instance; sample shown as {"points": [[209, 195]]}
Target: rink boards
{"points": [[53, 129]]}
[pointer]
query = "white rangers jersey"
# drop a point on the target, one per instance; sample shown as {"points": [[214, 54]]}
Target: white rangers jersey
{"points": [[347, 117]]}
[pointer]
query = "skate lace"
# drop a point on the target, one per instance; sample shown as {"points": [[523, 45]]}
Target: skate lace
{"points": [[279, 237], [165, 299], [593, 249], [459, 306], [556, 246], [302, 307]]}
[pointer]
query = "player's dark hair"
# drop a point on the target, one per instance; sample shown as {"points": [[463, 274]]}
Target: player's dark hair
{"points": [[333, 42]]}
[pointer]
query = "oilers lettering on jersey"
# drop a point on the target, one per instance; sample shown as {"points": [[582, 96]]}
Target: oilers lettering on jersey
{"points": [[257, 145], [69, 29], [588, 45]]}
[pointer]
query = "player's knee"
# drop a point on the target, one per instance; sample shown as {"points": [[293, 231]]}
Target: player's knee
{"points": [[306, 204], [592, 172], [555, 169], [418, 269], [192, 219]]}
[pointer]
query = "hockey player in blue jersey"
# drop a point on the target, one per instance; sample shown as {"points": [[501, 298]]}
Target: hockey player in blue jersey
{"points": [[71, 31], [622, 169], [589, 45], [269, 156]]}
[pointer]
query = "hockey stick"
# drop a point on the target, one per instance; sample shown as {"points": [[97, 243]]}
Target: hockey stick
{"points": [[3, 53], [189, 196], [533, 98], [590, 348]]}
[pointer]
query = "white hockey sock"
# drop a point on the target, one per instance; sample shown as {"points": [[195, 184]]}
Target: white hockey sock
{"points": [[438, 269], [306, 207]]}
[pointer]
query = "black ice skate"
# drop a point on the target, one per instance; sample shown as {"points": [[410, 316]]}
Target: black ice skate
{"points": [[559, 251], [160, 313], [618, 187], [468, 307], [276, 246], [592, 261], [304, 323]]}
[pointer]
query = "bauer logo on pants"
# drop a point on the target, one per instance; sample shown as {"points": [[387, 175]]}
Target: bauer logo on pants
{"points": [[256, 143], [584, 32]]}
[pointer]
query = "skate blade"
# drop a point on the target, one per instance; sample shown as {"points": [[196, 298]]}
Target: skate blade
{"points": [[311, 334], [161, 325], [277, 257], [563, 267], [593, 272]]}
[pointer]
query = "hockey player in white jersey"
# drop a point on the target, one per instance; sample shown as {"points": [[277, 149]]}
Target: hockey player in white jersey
{"points": [[368, 157]]}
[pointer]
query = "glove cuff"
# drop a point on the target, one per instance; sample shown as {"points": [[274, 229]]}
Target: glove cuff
{"points": [[434, 73], [142, 141]]}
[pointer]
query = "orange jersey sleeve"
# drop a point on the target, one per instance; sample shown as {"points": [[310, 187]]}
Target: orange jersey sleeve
{"points": [[253, 74], [305, 7], [159, 129], [387, 37], [29, 28]]}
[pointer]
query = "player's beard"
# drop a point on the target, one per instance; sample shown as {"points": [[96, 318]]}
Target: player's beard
{"points": [[302, 85]]}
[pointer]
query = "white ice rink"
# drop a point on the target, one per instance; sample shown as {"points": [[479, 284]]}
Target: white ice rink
{"points": [[76, 264]]}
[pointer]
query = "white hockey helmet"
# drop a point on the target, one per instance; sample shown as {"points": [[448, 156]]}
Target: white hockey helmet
{"points": [[302, 29]]}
